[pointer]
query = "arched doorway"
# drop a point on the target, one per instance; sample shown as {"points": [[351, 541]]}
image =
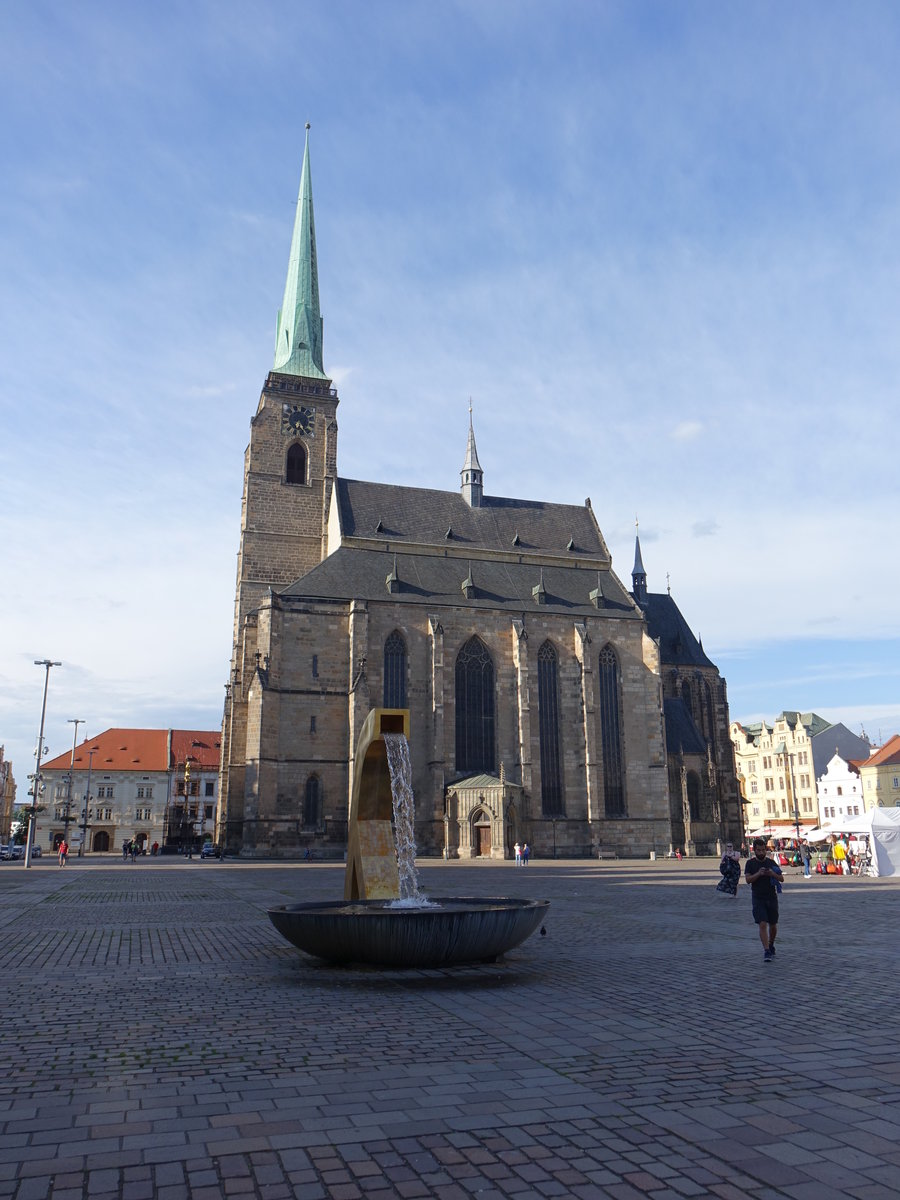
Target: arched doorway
{"points": [[481, 834], [101, 841]]}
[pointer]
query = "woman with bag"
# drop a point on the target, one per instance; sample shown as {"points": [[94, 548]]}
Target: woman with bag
{"points": [[730, 870]]}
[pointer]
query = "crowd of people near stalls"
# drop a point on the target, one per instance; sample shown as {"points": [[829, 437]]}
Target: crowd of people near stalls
{"points": [[839, 855]]}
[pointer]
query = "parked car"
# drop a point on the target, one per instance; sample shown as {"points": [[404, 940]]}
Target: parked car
{"points": [[17, 852], [36, 852], [209, 850], [5, 852]]}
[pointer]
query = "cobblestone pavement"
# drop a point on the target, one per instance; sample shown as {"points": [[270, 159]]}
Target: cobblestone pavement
{"points": [[163, 1041]]}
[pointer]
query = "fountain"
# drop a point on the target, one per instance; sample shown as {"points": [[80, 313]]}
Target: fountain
{"points": [[384, 920]]}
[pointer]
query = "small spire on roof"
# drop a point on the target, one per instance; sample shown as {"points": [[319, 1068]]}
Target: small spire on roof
{"points": [[472, 476]]}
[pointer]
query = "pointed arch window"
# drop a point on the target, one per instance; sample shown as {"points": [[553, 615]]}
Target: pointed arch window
{"points": [[611, 734], [548, 717], [295, 464], [312, 803], [474, 708], [693, 795], [687, 696], [395, 671]]}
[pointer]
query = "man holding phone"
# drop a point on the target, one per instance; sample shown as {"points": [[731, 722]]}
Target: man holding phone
{"points": [[764, 876]]}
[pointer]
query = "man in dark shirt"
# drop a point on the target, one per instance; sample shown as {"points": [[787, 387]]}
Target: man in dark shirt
{"points": [[763, 874]]}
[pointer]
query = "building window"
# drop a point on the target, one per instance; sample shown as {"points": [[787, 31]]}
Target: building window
{"points": [[693, 795], [395, 671], [140, 793], [548, 715], [141, 814], [295, 464], [312, 803], [474, 708], [754, 788], [312, 723], [611, 734], [210, 787], [315, 666], [208, 812]]}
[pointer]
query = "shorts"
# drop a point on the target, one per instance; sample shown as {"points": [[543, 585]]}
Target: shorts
{"points": [[765, 908]]}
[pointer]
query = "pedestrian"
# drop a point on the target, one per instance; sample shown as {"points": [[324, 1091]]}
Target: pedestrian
{"points": [[63, 852], [132, 848], [764, 876], [839, 854], [525, 854], [126, 850], [518, 850], [154, 850], [805, 858], [730, 870], [678, 854]]}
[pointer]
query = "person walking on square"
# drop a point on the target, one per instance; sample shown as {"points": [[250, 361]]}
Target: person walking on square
{"points": [[730, 870], [526, 851], [518, 850], [805, 858], [63, 852], [764, 876]]}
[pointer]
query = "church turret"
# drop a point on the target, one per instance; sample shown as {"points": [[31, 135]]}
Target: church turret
{"points": [[638, 574], [471, 476], [298, 334]]}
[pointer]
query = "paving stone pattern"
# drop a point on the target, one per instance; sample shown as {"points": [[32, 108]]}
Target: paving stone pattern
{"points": [[164, 1041]]}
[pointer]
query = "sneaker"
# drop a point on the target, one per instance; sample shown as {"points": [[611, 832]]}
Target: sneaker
{"points": [[768, 955], [772, 950]]}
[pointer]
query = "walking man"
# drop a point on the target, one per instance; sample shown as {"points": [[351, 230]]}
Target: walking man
{"points": [[63, 852], [764, 875], [805, 858]]}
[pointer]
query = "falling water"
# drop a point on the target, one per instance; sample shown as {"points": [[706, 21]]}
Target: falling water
{"points": [[404, 816]]}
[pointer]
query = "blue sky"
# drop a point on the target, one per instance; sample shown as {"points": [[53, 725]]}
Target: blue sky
{"points": [[657, 243]]}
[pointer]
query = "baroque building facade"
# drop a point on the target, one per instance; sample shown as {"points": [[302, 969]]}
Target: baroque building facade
{"points": [[538, 687], [155, 787]]}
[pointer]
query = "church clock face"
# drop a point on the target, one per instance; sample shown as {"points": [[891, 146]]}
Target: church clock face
{"points": [[295, 419]]}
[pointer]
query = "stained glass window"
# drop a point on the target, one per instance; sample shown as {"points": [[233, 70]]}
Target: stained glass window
{"points": [[548, 716], [395, 671], [312, 803], [611, 734], [474, 708]]}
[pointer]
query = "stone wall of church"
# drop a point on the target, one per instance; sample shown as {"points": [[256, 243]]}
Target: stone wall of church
{"points": [[325, 671]]}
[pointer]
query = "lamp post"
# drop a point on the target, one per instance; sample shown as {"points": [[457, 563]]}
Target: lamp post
{"points": [[790, 759], [46, 663], [86, 799], [76, 721]]}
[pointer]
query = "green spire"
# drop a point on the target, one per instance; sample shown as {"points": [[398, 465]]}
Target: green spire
{"points": [[298, 334]]}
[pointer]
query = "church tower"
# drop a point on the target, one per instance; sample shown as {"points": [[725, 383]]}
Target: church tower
{"points": [[289, 471], [291, 462]]}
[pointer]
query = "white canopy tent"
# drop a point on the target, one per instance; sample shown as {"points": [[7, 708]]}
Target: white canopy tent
{"points": [[882, 827]]}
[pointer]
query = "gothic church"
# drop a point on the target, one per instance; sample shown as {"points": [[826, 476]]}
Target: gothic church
{"points": [[547, 703]]}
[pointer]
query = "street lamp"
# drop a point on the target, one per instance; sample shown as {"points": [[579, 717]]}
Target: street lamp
{"points": [[86, 800], [46, 663], [790, 759], [76, 721]]}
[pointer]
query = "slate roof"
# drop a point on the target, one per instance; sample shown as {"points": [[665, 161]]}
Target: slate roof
{"points": [[682, 734], [392, 513], [677, 644], [353, 573], [811, 722]]}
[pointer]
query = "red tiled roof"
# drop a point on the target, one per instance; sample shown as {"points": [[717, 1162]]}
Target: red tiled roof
{"points": [[888, 754], [201, 745], [118, 750], [142, 750]]}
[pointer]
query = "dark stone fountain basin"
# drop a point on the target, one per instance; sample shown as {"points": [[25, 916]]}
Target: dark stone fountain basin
{"points": [[452, 930]]}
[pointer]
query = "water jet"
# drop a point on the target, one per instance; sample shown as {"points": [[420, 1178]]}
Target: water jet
{"points": [[383, 919]]}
